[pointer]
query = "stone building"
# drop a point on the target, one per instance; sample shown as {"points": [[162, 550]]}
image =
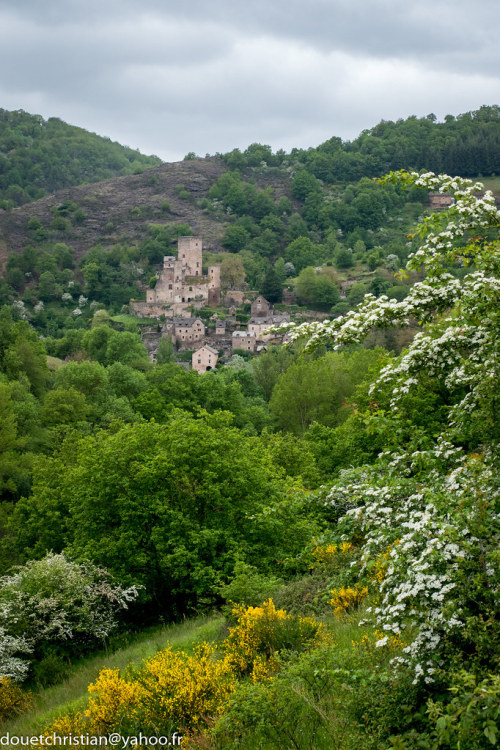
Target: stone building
{"points": [[187, 330], [204, 359], [261, 308], [440, 201], [243, 340], [257, 326], [220, 327], [181, 281]]}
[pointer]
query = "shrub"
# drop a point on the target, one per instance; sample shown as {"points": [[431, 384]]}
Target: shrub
{"points": [[56, 600], [59, 223], [345, 599], [184, 690], [12, 652], [305, 595], [173, 690], [470, 720], [262, 632], [248, 586], [113, 701], [13, 700], [327, 554]]}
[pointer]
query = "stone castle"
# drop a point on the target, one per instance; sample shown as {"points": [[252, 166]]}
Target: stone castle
{"points": [[181, 283], [180, 287]]}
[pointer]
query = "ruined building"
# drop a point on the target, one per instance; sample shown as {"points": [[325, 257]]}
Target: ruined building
{"points": [[181, 282], [181, 279]]}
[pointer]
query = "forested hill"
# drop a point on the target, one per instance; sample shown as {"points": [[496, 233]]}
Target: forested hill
{"points": [[271, 217], [40, 156], [466, 145]]}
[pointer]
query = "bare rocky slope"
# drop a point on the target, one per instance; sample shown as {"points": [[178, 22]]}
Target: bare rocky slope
{"points": [[120, 209]]}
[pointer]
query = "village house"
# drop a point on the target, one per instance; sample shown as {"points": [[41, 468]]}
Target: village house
{"points": [[187, 330], [257, 326], [243, 340], [261, 308], [220, 327], [440, 201], [204, 359]]}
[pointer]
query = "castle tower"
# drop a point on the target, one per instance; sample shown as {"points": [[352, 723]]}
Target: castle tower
{"points": [[189, 253], [214, 285]]}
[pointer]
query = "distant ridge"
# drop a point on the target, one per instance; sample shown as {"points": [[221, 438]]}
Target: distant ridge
{"points": [[40, 156]]}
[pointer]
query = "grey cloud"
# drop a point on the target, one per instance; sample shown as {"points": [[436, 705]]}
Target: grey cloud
{"points": [[171, 77], [416, 28]]}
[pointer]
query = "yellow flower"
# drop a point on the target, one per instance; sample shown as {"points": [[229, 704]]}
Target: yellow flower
{"points": [[13, 700], [325, 554], [347, 598], [111, 699]]}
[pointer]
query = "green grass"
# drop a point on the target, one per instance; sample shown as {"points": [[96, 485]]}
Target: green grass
{"points": [[491, 183], [54, 363], [126, 318], [72, 692]]}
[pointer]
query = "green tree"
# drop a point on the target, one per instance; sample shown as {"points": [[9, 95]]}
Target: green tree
{"points": [[302, 252], [235, 238], [48, 289], [167, 506], [344, 258], [165, 351], [272, 288], [303, 184], [356, 293], [64, 406], [317, 290], [316, 390], [26, 356], [268, 366], [232, 272]]}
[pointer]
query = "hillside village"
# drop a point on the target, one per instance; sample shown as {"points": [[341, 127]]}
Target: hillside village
{"points": [[181, 288]]}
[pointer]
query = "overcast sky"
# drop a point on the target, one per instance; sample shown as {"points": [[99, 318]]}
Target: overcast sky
{"points": [[169, 77]]}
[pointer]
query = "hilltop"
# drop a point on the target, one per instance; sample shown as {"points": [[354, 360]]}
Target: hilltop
{"points": [[40, 156]]}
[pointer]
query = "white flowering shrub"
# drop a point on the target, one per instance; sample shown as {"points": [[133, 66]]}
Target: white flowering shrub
{"points": [[82, 300], [66, 297], [433, 503], [56, 600], [12, 651], [19, 307]]}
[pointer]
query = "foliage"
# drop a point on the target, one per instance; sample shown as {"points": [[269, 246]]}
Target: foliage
{"points": [[347, 598], [168, 506], [471, 719], [272, 288], [248, 586], [328, 697], [317, 390], [13, 649], [316, 290], [48, 155], [466, 145], [54, 600], [173, 689], [438, 491], [13, 700]]}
